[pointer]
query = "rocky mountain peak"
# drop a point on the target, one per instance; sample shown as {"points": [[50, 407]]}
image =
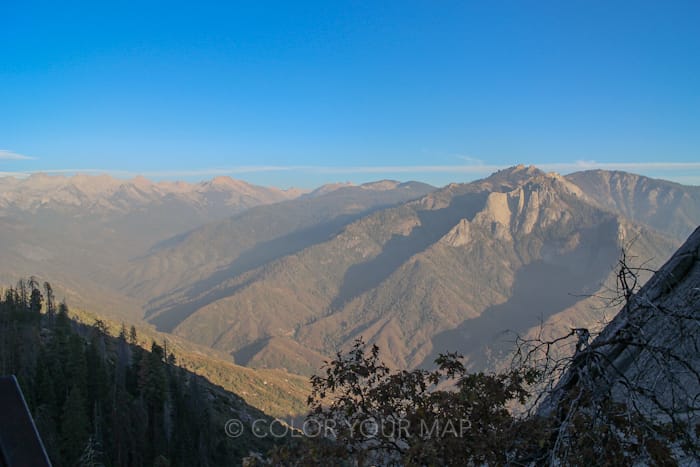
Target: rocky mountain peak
{"points": [[224, 181], [538, 200], [513, 176], [459, 235], [140, 181], [329, 187], [381, 185]]}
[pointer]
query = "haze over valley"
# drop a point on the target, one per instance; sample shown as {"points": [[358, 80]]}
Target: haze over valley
{"points": [[284, 279]]}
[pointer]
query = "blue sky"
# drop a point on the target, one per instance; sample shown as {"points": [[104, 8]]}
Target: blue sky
{"points": [[301, 93]]}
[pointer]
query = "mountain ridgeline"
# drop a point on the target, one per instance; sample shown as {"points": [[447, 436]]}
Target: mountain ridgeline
{"points": [[257, 236], [451, 270], [666, 206], [283, 279]]}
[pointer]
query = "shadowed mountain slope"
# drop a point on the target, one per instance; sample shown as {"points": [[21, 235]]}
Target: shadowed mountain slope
{"points": [[192, 264], [449, 271]]}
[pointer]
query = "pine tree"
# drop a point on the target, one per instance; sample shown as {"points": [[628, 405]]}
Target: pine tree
{"points": [[50, 301], [76, 362], [62, 321], [91, 455], [132, 336], [35, 298], [44, 390], [97, 381], [98, 400], [74, 426], [23, 295], [153, 386]]}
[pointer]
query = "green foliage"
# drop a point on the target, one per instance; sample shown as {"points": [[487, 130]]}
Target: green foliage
{"points": [[371, 415], [276, 392], [363, 413], [100, 400], [74, 425]]}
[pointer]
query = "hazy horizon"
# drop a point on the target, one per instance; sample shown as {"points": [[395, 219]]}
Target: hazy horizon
{"points": [[434, 175]]}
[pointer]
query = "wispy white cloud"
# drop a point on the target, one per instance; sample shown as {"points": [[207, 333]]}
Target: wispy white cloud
{"points": [[687, 179], [474, 167], [470, 159], [14, 174], [13, 156], [169, 173], [627, 166]]}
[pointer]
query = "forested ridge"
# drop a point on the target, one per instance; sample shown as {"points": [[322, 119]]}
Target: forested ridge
{"points": [[103, 400]]}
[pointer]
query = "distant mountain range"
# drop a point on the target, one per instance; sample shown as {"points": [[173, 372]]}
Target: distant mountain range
{"points": [[450, 270], [258, 235], [80, 231], [284, 279], [138, 199]]}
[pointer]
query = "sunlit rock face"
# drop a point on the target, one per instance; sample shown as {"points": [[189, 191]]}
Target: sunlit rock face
{"points": [[649, 353]]}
